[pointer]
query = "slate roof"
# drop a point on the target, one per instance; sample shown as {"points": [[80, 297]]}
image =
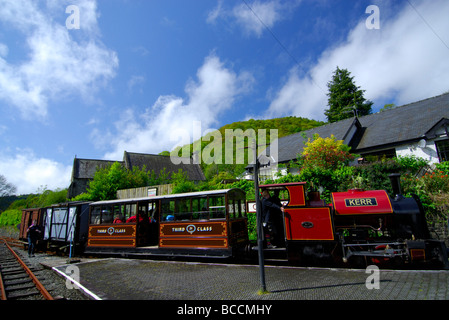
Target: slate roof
{"points": [[403, 124], [376, 131], [158, 162], [84, 169]]}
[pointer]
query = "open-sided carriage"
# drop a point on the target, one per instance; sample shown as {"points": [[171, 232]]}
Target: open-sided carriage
{"points": [[209, 223]]}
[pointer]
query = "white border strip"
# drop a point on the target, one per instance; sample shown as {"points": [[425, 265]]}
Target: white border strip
{"points": [[80, 286]]}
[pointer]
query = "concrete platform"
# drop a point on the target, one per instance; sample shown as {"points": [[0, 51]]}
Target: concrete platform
{"points": [[129, 279]]}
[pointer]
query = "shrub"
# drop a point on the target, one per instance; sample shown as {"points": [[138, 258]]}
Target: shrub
{"points": [[10, 217], [443, 166], [411, 164], [182, 183], [252, 226], [432, 189], [435, 182], [326, 153]]}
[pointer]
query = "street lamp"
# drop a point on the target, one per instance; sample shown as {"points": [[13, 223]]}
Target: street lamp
{"points": [[260, 234]]}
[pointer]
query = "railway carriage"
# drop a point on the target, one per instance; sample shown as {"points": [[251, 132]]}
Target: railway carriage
{"points": [[65, 224], [61, 225], [211, 223], [28, 216]]}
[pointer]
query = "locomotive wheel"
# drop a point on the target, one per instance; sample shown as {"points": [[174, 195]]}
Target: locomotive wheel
{"points": [[385, 262], [311, 255], [380, 261]]}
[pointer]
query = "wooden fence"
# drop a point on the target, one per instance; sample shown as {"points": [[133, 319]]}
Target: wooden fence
{"points": [[159, 190]]}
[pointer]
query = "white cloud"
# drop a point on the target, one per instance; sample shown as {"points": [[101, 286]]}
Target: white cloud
{"points": [[402, 62], [214, 92], [268, 12], [254, 17], [215, 13], [29, 172], [57, 65], [3, 50], [136, 82]]}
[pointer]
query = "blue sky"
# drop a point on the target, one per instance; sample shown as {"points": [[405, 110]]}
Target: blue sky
{"points": [[136, 72]]}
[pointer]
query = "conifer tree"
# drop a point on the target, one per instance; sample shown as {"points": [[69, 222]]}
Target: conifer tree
{"points": [[345, 98]]}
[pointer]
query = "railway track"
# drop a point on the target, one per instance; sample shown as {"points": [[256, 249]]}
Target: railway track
{"points": [[19, 280]]}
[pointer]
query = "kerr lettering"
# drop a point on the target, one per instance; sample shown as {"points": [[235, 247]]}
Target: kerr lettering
{"points": [[361, 202]]}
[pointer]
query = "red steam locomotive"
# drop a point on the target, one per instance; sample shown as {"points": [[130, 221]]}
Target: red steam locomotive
{"points": [[359, 227]]}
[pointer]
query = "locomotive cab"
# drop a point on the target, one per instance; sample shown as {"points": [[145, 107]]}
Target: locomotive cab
{"points": [[308, 226]]}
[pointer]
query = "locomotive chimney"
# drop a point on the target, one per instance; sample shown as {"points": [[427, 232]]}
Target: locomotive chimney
{"points": [[396, 184]]}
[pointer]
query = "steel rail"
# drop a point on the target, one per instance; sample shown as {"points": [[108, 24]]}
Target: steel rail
{"points": [[2, 288], [36, 281]]}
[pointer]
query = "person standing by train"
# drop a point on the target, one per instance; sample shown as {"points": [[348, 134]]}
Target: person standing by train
{"points": [[33, 234], [278, 220], [270, 214]]}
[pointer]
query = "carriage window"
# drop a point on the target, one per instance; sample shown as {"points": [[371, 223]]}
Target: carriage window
{"points": [[117, 214], [217, 209], [123, 212], [183, 209], [143, 209], [95, 215], [242, 208], [199, 209], [231, 209], [143, 212], [152, 212], [106, 214], [237, 208], [130, 212], [168, 210]]}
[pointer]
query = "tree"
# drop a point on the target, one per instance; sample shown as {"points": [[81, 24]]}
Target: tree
{"points": [[388, 106], [6, 188], [108, 180], [345, 98]]}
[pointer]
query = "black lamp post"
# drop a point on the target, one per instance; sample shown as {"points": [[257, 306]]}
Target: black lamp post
{"points": [[260, 233]]}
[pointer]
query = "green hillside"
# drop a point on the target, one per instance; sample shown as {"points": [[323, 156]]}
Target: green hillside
{"points": [[285, 126]]}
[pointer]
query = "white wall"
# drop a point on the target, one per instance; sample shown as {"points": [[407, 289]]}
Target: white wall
{"points": [[429, 152]]}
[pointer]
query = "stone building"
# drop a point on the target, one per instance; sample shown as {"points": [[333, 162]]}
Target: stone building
{"points": [[84, 170]]}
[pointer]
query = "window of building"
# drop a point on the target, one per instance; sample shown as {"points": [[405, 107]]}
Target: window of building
{"points": [[443, 149], [379, 155]]}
